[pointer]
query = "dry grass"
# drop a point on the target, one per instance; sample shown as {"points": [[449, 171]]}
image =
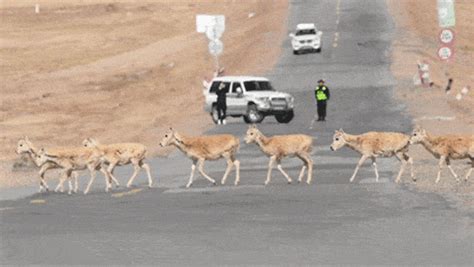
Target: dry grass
{"points": [[121, 71]]}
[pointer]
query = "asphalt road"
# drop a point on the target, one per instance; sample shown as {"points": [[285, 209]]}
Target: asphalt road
{"points": [[329, 222]]}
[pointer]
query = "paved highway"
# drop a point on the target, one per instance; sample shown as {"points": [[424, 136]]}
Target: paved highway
{"points": [[329, 222]]}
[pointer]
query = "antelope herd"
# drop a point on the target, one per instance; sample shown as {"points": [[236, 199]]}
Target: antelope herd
{"points": [[94, 156]]}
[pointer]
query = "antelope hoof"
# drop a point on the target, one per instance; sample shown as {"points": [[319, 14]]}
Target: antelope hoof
{"points": [[150, 186], [189, 185], [129, 185], [289, 182], [308, 182], [214, 183], [237, 183]]}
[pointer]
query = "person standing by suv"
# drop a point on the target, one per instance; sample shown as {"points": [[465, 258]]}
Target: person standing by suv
{"points": [[221, 103], [322, 96]]}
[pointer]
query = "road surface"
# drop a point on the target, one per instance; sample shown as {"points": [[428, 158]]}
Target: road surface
{"points": [[329, 222]]}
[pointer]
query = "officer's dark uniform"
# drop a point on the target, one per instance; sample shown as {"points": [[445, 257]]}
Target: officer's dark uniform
{"points": [[322, 96], [221, 104]]}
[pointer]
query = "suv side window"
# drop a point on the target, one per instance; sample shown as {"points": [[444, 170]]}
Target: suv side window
{"points": [[235, 85], [215, 85]]}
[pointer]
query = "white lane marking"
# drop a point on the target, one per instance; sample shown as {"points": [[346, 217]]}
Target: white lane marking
{"points": [[312, 122], [37, 201], [6, 208], [210, 189], [336, 34]]}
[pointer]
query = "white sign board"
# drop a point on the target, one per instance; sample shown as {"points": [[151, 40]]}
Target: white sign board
{"points": [[212, 25], [446, 15]]}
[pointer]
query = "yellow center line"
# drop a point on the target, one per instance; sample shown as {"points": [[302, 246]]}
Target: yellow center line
{"points": [[128, 193], [37, 201]]}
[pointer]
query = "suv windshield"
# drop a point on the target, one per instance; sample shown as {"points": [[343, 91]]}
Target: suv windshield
{"points": [[258, 86], [305, 32]]}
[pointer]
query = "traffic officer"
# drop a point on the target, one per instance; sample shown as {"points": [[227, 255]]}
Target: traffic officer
{"points": [[221, 103], [322, 96]]}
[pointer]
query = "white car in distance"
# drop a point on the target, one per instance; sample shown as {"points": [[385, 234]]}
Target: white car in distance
{"points": [[306, 37]]}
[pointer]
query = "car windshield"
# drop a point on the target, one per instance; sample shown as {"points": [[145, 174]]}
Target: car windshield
{"points": [[258, 86], [305, 32]]}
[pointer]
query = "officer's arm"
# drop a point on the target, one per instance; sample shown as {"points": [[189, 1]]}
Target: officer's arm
{"points": [[327, 93]]}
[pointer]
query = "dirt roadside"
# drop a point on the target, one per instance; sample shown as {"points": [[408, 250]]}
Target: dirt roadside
{"points": [[432, 108], [121, 71]]}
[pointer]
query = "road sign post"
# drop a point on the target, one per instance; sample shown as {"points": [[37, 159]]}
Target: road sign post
{"points": [[213, 26]]}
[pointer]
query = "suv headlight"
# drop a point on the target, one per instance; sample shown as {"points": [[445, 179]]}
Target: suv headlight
{"points": [[264, 102]]}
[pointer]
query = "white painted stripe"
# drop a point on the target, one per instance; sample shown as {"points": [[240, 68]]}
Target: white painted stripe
{"points": [[211, 189], [6, 208]]}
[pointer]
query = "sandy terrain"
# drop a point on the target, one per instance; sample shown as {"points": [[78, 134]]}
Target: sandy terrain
{"points": [[118, 70], [417, 31]]}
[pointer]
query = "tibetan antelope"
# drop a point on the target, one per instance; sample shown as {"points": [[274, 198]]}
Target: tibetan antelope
{"points": [[280, 146], [122, 154], [376, 144], [202, 148], [25, 146], [445, 148], [74, 158]]}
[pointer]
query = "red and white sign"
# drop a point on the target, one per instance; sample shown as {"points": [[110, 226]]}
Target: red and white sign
{"points": [[445, 52], [446, 36]]}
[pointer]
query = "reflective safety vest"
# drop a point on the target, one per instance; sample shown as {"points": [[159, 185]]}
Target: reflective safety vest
{"points": [[320, 93]]}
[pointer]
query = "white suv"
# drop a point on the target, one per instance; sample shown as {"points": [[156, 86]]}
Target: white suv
{"points": [[252, 98], [306, 38]]}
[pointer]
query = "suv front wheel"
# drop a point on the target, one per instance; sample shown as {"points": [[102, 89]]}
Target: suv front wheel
{"points": [[253, 115], [286, 117]]}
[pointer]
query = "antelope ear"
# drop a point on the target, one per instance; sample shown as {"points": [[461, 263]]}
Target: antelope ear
{"points": [[27, 139], [253, 126]]}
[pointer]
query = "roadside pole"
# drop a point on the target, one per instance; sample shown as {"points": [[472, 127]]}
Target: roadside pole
{"points": [[447, 21], [213, 26]]}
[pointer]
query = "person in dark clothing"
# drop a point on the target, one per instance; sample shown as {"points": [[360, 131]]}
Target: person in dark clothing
{"points": [[221, 103], [322, 95]]}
